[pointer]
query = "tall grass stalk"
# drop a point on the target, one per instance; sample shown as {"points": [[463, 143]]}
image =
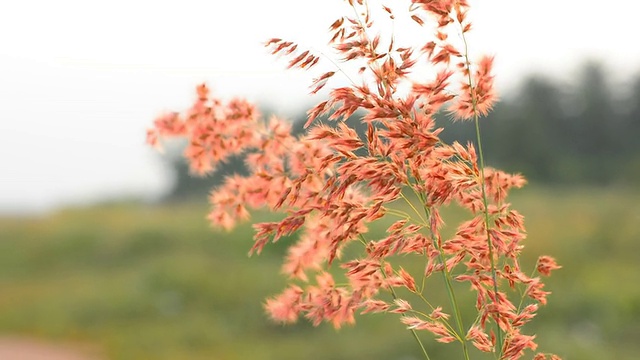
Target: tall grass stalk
{"points": [[334, 181]]}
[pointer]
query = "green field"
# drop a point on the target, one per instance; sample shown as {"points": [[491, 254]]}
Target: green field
{"points": [[145, 282]]}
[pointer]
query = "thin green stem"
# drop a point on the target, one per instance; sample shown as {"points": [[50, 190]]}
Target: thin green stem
{"points": [[424, 221], [523, 294], [413, 331], [450, 292], [444, 321], [399, 213], [423, 200], [395, 297], [485, 202], [424, 351]]}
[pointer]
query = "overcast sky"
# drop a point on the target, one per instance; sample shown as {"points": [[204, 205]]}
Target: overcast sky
{"points": [[80, 80]]}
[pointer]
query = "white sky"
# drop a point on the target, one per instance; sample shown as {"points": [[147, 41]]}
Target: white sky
{"points": [[81, 80]]}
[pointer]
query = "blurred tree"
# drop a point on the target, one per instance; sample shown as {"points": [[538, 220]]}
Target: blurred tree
{"points": [[596, 126], [189, 187], [633, 116], [631, 132], [535, 129]]}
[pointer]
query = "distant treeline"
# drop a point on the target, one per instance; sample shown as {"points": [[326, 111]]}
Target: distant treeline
{"points": [[585, 133]]}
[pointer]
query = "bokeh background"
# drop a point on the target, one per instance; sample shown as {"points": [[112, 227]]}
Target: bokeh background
{"points": [[104, 242]]}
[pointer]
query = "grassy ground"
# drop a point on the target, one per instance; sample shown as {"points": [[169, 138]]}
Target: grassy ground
{"points": [[157, 282]]}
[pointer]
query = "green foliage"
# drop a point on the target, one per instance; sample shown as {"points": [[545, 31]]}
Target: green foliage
{"points": [[158, 283]]}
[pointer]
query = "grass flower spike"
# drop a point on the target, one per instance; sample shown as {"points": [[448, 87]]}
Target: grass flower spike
{"points": [[332, 183]]}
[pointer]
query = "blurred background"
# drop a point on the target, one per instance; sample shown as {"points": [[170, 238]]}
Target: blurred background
{"points": [[104, 243]]}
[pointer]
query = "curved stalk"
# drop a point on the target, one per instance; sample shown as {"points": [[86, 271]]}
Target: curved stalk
{"points": [[485, 202], [395, 297], [450, 292]]}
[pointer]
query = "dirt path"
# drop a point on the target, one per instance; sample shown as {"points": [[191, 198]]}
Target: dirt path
{"points": [[27, 349]]}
